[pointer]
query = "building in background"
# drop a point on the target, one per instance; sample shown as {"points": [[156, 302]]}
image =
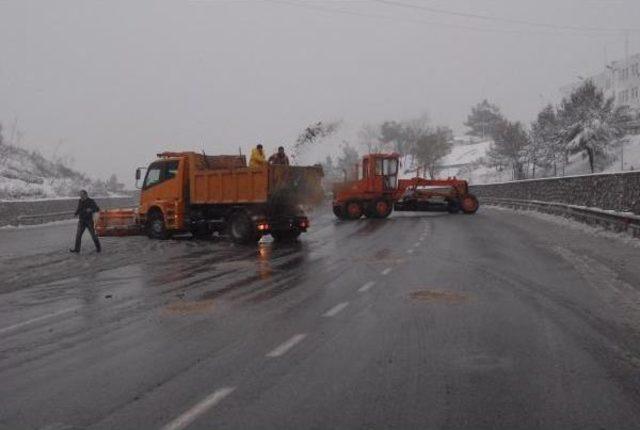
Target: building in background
{"points": [[619, 79]]}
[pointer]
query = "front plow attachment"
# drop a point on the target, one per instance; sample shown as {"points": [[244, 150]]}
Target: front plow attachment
{"points": [[118, 222]]}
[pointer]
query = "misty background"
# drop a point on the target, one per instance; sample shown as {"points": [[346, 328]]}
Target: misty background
{"points": [[106, 85]]}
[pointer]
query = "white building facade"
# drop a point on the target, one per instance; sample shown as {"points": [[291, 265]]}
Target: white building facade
{"points": [[620, 79]]}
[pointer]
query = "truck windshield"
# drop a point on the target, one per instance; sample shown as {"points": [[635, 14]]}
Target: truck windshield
{"points": [[153, 175], [160, 172]]}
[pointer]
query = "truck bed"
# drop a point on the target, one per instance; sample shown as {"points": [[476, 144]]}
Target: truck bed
{"points": [[256, 184]]}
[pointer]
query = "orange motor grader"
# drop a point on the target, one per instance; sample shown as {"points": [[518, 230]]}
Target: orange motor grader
{"points": [[377, 191]]}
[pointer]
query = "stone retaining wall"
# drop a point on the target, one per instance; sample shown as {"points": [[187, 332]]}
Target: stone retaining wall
{"points": [[614, 191]]}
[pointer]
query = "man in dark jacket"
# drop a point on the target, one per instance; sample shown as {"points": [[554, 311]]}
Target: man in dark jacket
{"points": [[86, 208], [279, 157]]}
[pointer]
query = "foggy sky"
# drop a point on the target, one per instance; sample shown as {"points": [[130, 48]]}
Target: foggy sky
{"points": [[112, 83]]}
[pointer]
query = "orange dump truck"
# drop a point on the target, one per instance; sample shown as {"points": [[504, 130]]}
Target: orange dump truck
{"points": [[190, 192]]}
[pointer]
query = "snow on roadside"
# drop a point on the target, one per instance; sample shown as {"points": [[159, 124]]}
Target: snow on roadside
{"points": [[34, 226], [571, 223]]}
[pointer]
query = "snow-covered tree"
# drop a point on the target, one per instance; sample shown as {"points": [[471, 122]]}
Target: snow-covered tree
{"points": [[484, 119], [590, 123], [546, 147]]}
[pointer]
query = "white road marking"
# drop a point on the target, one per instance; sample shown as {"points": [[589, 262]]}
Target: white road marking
{"points": [[334, 310], [386, 271], [366, 286], [198, 409], [417, 244], [409, 251], [40, 318], [286, 346]]}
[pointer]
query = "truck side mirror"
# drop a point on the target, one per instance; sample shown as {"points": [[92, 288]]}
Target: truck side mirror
{"points": [[138, 174]]}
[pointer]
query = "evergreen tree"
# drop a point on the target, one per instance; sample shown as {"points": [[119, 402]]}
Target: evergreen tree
{"points": [[484, 120], [590, 123]]}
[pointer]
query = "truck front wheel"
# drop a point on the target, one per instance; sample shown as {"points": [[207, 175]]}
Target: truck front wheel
{"points": [[242, 229], [156, 229]]}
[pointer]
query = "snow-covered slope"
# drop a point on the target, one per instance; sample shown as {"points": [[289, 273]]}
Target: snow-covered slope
{"points": [[28, 175], [464, 157], [468, 162]]}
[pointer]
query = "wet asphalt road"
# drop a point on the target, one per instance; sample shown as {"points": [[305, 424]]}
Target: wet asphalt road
{"points": [[422, 321]]}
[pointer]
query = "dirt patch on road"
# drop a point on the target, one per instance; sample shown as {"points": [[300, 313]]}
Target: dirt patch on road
{"points": [[183, 308], [434, 296]]}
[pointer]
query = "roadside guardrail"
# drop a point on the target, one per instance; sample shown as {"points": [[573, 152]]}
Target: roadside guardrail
{"points": [[41, 218], [625, 222]]}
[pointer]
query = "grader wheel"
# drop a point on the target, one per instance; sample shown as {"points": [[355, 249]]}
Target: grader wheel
{"points": [[353, 209], [469, 204], [382, 208]]}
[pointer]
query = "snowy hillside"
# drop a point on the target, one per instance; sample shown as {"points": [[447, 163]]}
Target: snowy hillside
{"points": [[468, 162], [28, 175], [463, 156]]}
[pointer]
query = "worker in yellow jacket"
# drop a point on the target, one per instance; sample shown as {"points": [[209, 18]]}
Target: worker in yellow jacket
{"points": [[257, 157]]}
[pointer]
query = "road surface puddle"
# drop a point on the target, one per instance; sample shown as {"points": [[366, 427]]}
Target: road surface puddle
{"points": [[434, 296]]}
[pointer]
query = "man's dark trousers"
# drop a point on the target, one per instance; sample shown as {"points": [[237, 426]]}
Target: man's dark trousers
{"points": [[88, 225]]}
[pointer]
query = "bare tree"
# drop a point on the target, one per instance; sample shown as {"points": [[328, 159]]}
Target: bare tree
{"points": [[370, 137], [511, 144], [431, 147], [348, 160]]}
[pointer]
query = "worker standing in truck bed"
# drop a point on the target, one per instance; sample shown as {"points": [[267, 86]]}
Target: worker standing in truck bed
{"points": [[257, 157], [279, 157]]}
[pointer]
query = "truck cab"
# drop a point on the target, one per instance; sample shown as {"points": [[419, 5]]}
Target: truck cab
{"points": [[163, 195]]}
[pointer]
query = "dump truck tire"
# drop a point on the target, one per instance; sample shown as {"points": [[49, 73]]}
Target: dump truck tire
{"points": [[382, 208], [285, 235], [156, 228], [470, 204], [353, 209], [242, 229], [201, 232]]}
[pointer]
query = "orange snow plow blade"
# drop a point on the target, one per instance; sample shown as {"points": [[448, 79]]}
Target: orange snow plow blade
{"points": [[118, 222]]}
